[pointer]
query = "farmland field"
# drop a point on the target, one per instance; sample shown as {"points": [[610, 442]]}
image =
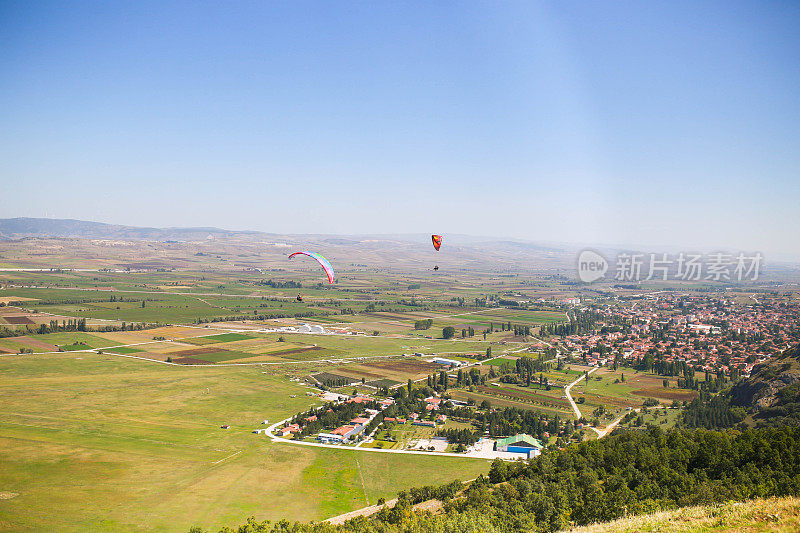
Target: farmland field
{"points": [[498, 401], [159, 306], [356, 346], [125, 350], [497, 361], [606, 388], [496, 316], [395, 369], [95, 426], [222, 337]]}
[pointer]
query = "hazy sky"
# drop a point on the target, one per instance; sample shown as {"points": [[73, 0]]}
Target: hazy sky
{"points": [[600, 122]]}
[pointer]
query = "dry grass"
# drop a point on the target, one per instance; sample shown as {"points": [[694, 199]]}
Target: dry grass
{"points": [[661, 393], [7, 299], [774, 514], [177, 332]]}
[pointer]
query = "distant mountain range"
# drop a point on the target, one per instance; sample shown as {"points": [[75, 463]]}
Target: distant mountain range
{"points": [[465, 251], [19, 228]]}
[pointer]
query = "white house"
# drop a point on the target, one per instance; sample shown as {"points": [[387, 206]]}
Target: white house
{"points": [[305, 328], [447, 362], [330, 438]]}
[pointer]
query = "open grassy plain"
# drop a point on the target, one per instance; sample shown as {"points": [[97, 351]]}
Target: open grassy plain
{"points": [[123, 445]]}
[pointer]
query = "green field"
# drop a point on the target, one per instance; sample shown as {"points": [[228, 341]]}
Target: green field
{"points": [[222, 337], [485, 319], [126, 350], [498, 361], [606, 388], [104, 443], [161, 307], [663, 418], [500, 402], [81, 339], [219, 356]]}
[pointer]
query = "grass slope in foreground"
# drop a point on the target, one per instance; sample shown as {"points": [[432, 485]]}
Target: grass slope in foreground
{"points": [[115, 444], [773, 515]]}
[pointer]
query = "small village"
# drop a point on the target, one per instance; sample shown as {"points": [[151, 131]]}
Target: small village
{"points": [[710, 333], [417, 432]]}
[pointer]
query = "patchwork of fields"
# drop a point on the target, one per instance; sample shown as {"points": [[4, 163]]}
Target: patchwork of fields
{"points": [[96, 419]]}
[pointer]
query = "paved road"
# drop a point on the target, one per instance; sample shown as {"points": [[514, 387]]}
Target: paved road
{"points": [[600, 432], [568, 388]]}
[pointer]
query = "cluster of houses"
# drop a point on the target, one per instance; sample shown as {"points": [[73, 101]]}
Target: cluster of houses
{"points": [[343, 433], [353, 430], [415, 420], [519, 446], [695, 337]]}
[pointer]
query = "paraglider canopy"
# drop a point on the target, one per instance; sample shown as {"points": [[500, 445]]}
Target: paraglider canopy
{"points": [[324, 263], [437, 241]]}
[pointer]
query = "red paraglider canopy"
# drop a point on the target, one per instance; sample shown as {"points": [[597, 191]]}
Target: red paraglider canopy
{"points": [[437, 241]]}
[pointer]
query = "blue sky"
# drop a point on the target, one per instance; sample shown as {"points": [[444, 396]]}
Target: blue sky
{"points": [[649, 123]]}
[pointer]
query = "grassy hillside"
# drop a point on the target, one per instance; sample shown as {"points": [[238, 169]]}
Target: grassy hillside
{"points": [[773, 514]]}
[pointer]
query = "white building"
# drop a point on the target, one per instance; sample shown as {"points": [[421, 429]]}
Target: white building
{"points": [[305, 328], [447, 362], [330, 438]]}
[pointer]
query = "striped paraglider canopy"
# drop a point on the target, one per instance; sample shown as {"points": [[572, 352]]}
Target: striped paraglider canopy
{"points": [[324, 263]]}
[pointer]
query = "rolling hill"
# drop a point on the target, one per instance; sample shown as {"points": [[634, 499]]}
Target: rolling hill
{"points": [[460, 252], [771, 394], [19, 228]]}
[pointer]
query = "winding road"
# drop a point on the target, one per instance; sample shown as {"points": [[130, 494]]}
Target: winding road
{"points": [[568, 388]]}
